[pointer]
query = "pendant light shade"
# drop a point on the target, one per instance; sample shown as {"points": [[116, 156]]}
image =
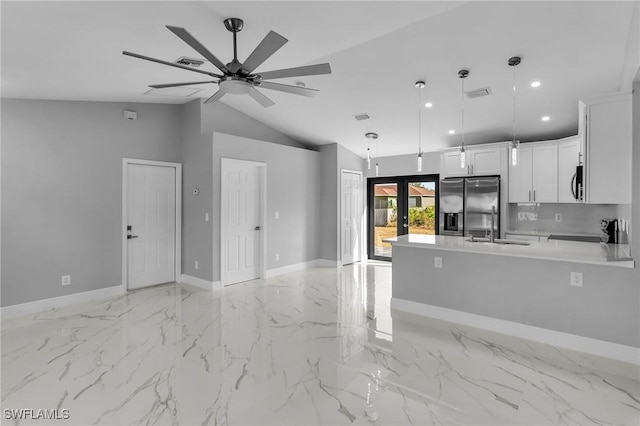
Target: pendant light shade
{"points": [[420, 85], [462, 74], [515, 144], [369, 136]]}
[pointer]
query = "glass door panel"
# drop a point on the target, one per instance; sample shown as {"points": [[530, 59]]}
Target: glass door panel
{"points": [[385, 217], [421, 207]]}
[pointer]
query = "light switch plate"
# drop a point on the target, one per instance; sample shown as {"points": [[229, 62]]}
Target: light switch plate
{"points": [[438, 262], [66, 280], [576, 279]]}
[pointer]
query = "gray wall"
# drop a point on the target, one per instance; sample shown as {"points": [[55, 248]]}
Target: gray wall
{"points": [[329, 202], [218, 117], [527, 291], [292, 189], [62, 190], [197, 159], [214, 131]]}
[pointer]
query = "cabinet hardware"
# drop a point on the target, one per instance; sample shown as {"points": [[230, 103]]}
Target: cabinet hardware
{"points": [[529, 199]]}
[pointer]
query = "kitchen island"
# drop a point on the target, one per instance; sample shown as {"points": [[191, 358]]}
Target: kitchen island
{"points": [[530, 291]]}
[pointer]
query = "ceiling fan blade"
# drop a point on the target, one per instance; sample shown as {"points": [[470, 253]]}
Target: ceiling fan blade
{"points": [[162, 86], [297, 71], [216, 96], [289, 89], [267, 47], [191, 41], [171, 64], [261, 98]]}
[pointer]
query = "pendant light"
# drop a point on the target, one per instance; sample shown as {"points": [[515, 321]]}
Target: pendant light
{"points": [[515, 144], [463, 155], [420, 85], [370, 136]]}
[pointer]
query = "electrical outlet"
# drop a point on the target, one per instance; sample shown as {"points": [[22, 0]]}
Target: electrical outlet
{"points": [[66, 280], [206, 217], [438, 262], [277, 257], [558, 217], [276, 215], [576, 279], [195, 264]]}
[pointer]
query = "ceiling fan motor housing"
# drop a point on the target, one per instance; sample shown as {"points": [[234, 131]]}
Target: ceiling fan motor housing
{"points": [[233, 24]]}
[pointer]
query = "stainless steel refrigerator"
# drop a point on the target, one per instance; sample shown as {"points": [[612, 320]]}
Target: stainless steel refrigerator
{"points": [[465, 206]]}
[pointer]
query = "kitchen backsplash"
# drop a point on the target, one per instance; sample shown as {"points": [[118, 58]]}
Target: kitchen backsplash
{"points": [[575, 218]]}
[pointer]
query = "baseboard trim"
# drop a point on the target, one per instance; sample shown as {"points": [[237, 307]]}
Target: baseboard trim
{"points": [[199, 282], [60, 301], [296, 267], [556, 338]]}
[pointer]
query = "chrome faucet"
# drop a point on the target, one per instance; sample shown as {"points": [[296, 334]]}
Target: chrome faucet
{"points": [[492, 237]]}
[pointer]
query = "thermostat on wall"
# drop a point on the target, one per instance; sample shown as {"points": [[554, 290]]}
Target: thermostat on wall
{"points": [[130, 115]]}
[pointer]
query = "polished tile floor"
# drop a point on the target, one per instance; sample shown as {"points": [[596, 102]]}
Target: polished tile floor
{"points": [[311, 348]]}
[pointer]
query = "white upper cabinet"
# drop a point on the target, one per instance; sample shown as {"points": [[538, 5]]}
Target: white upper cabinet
{"points": [[569, 157], [605, 131], [535, 177], [480, 161]]}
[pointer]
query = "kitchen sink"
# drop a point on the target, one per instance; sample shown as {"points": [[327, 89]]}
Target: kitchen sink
{"points": [[499, 241]]}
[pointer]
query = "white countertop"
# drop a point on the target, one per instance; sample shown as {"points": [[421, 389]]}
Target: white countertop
{"points": [[536, 233], [563, 251]]}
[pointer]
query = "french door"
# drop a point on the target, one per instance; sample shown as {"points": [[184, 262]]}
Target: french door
{"points": [[397, 206]]}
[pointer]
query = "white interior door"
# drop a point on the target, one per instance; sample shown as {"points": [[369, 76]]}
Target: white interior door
{"points": [[151, 216], [241, 221], [351, 215]]}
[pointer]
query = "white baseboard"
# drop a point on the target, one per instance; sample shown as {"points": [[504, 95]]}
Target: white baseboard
{"points": [[556, 338], [199, 282], [317, 263], [57, 302]]}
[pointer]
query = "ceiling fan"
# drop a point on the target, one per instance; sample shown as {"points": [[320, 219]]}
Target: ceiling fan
{"points": [[239, 77]]}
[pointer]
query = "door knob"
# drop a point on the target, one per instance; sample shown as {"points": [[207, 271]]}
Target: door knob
{"points": [[130, 237], [257, 228], [405, 225]]}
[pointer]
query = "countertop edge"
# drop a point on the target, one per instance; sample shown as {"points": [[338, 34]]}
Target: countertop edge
{"points": [[630, 264]]}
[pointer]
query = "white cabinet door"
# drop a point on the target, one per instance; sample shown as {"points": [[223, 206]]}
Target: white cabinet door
{"points": [[568, 159], [545, 174], [606, 127], [485, 161], [451, 164], [520, 177]]}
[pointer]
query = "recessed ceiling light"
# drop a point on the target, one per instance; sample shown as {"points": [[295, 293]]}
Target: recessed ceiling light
{"points": [[535, 84], [428, 104], [546, 118], [451, 131]]}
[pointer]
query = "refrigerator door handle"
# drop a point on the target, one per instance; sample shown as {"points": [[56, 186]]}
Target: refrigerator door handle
{"points": [[573, 186]]}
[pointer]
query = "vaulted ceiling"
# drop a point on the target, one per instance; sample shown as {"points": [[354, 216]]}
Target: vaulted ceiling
{"points": [[377, 51]]}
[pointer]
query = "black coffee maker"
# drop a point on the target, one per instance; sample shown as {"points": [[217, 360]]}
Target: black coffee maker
{"points": [[610, 228]]}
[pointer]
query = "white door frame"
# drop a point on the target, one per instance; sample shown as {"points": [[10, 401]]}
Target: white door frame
{"points": [[341, 212], [224, 164], [178, 201]]}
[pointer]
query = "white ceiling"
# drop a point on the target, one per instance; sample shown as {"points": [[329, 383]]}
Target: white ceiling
{"points": [[377, 50]]}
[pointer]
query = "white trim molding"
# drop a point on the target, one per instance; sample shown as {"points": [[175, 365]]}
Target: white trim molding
{"points": [[60, 301], [296, 267], [178, 214], [199, 282], [551, 337]]}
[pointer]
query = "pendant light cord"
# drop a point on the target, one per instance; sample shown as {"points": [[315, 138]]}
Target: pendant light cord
{"points": [[514, 104], [462, 93], [419, 120]]}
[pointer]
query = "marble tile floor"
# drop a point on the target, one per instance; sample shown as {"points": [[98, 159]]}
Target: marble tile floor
{"points": [[317, 347]]}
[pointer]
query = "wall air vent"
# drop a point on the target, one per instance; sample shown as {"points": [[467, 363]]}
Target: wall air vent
{"points": [[363, 116], [485, 91], [189, 62]]}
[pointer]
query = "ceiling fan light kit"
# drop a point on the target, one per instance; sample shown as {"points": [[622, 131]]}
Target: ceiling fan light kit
{"points": [[238, 78]]}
